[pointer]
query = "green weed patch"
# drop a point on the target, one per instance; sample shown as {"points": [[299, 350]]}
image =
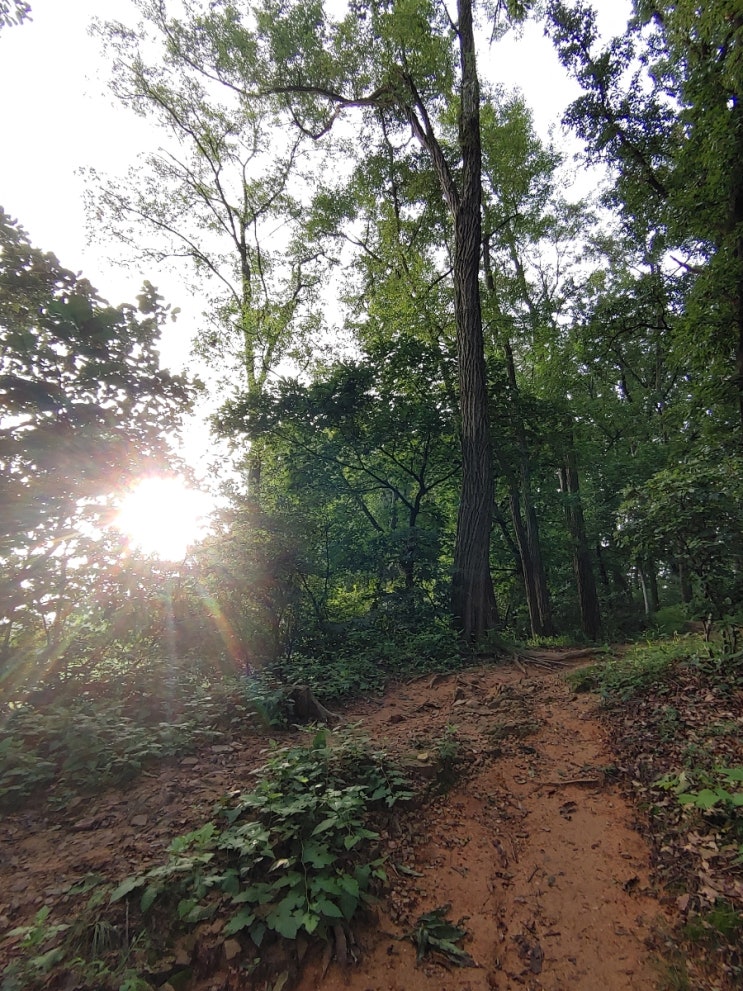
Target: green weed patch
{"points": [[644, 665], [296, 854]]}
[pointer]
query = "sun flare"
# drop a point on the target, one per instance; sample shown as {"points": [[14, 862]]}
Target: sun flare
{"points": [[163, 517]]}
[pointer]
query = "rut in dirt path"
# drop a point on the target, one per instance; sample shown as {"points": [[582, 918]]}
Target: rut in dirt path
{"points": [[534, 849]]}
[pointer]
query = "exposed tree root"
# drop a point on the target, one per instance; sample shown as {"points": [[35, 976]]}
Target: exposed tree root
{"points": [[308, 709]]}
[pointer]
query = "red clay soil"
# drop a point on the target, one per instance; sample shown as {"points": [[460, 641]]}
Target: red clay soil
{"points": [[534, 849], [528, 841]]}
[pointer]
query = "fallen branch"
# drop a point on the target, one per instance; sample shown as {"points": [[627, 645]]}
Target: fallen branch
{"points": [[572, 781]]}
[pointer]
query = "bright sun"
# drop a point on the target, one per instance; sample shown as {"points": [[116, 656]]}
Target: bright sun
{"points": [[163, 517]]}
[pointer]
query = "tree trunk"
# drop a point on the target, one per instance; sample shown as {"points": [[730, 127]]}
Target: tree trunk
{"points": [[687, 592], [473, 599], [527, 532], [534, 562], [651, 576], [527, 571], [544, 605], [736, 224], [585, 581], [646, 597]]}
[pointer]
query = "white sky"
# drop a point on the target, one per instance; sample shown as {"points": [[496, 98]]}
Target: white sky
{"points": [[57, 116]]}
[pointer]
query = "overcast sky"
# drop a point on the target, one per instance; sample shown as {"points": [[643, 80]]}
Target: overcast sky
{"points": [[57, 116]]}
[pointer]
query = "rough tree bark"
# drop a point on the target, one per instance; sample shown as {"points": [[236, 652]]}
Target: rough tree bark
{"points": [[473, 599], [584, 577]]}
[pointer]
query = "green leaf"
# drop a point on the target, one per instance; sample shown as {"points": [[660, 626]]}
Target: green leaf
{"points": [[349, 884], [127, 886], [241, 920], [317, 856], [45, 961], [148, 898], [328, 908], [310, 922], [325, 825], [186, 905], [285, 919]]}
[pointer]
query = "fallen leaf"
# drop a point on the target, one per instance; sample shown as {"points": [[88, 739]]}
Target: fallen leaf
{"points": [[536, 958], [231, 949]]}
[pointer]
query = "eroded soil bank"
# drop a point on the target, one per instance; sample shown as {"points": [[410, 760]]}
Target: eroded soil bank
{"points": [[523, 834], [534, 848]]}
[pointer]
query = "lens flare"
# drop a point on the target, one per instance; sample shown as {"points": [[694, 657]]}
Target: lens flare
{"points": [[164, 517]]}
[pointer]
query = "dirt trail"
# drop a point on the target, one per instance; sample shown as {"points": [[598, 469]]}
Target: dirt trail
{"points": [[528, 841], [534, 848]]}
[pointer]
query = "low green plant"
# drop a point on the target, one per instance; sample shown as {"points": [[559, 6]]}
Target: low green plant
{"points": [[434, 932], [96, 953], [714, 794], [447, 749], [364, 659], [267, 698], [22, 771], [584, 679], [293, 855], [84, 742], [722, 921], [719, 792], [670, 620], [39, 951], [79, 747], [618, 680], [546, 643]]}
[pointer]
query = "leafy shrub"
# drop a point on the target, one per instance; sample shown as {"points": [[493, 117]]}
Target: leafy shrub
{"points": [[670, 620], [620, 679], [85, 742], [294, 854], [365, 659], [21, 771], [722, 790], [76, 748]]}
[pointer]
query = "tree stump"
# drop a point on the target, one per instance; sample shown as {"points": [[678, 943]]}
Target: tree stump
{"points": [[307, 709]]}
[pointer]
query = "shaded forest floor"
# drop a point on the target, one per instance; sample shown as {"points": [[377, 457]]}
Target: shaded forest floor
{"points": [[535, 822]]}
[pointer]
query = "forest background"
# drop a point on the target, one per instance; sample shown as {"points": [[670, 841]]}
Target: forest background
{"points": [[521, 416]]}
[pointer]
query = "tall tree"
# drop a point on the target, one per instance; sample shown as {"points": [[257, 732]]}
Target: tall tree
{"points": [[213, 196], [663, 106], [520, 211], [85, 408], [397, 61]]}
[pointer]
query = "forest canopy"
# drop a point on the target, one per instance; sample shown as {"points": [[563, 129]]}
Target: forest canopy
{"points": [[466, 408]]}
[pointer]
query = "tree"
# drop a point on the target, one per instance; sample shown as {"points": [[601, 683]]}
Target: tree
{"points": [[378, 437], [396, 63], [211, 197], [690, 513], [85, 409], [520, 212], [663, 106]]}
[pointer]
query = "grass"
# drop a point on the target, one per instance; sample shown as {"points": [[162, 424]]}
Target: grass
{"points": [[644, 665]]}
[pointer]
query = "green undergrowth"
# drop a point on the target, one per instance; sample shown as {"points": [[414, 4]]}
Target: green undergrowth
{"points": [[79, 743], [434, 933], [64, 739], [672, 712], [297, 854], [365, 661], [619, 679]]}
